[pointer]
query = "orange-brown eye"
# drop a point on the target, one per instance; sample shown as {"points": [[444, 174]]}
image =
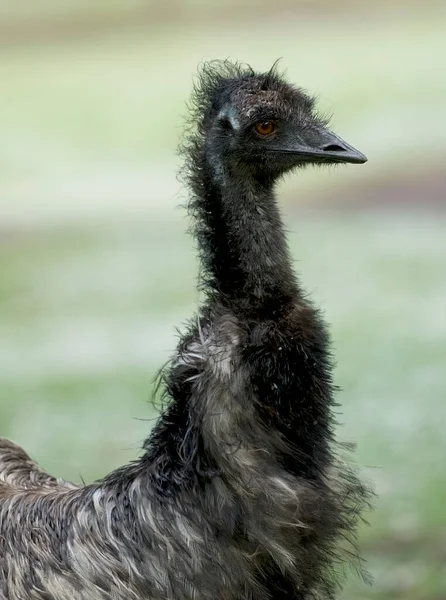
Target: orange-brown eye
{"points": [[265, 127]]}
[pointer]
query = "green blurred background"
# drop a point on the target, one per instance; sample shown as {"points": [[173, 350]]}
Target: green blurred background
{"points": [[96, 269]]}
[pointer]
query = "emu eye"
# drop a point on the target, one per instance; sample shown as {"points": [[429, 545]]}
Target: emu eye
{"points": [[265, 128]]}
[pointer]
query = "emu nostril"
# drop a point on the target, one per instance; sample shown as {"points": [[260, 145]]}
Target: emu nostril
{"points": [[333, 148]]}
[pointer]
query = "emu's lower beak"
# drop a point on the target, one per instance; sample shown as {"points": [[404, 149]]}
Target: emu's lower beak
{"points": [[322, 145]]}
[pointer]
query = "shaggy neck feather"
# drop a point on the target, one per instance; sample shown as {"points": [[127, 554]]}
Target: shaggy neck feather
{"points": [[241, 239]]}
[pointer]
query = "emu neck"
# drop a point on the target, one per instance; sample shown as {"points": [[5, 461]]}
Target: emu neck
{"points": [[242, 242]]}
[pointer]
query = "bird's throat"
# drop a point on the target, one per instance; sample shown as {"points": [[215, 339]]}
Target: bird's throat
{"points": [[242, 242]]}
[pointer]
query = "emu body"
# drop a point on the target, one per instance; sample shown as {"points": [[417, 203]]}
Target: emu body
{"points": [[240, 493]]}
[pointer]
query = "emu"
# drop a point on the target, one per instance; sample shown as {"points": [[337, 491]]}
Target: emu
{"points": [[241, 492]]}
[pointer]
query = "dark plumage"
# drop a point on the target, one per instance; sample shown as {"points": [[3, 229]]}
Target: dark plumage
{"points": [[240, 493]]}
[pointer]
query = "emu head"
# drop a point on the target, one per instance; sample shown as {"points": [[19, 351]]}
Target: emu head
{"points": [[261, 124]]}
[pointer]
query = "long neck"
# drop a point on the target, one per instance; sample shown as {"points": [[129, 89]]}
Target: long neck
{"points": [[241, 240]]}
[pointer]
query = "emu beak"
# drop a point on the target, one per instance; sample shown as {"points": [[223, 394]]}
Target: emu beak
{"points": [[322, 145]]}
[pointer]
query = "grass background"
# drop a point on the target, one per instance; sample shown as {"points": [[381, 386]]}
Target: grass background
{"points": [[96, 269]]}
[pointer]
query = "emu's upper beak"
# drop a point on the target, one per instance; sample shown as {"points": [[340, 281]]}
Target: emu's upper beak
{"points": [[322, 145]]}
